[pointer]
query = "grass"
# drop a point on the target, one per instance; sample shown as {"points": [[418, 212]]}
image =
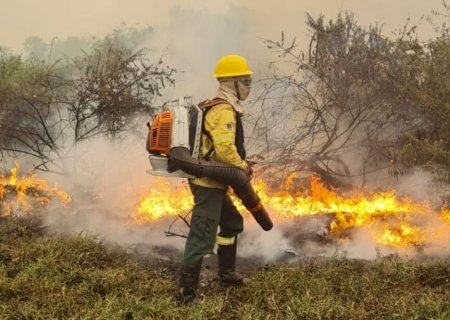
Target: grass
{"points": [[77, 277]]}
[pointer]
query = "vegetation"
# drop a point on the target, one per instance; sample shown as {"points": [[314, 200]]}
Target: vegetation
{"points": [[47, 106], [357, 101], [77, 277]]}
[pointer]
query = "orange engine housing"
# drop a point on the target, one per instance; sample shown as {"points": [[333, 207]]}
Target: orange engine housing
{"points": [[160, 134]]}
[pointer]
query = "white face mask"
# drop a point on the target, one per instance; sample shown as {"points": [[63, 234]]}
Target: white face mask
{"points": [[244, 88]]}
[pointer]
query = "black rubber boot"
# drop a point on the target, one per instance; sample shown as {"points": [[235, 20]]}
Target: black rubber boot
{"points": [[227, 266], [188, 283]]}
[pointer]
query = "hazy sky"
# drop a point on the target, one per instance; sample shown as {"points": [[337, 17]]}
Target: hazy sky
{"points": [[193, 34], [20, 19]]}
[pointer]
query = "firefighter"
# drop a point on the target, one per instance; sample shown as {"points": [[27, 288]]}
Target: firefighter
{"points": [[223, 141]]}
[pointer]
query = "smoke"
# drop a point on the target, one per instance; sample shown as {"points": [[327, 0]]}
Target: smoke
{"points": [[271, 246], [214, 35], [106, 180]]}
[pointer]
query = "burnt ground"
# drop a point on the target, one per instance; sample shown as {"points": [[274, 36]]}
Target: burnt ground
{"points": [[169, 259], [303, 232]]}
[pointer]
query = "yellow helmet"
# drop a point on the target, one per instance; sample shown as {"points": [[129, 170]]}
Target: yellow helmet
{"points": [[232, 65]]}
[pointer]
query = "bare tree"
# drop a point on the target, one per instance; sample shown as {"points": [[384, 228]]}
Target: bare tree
{"points": [[335, 102], [29, 120]]}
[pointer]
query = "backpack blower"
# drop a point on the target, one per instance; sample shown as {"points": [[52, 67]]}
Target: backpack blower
{"points": [[173, 144]]}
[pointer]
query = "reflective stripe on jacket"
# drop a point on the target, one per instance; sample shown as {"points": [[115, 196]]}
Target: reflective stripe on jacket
{"points": [[220, 122]]}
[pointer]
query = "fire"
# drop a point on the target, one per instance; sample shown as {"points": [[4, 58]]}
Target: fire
{"points": [[445, 213], [162, 201], [392, 221], [402, 236], [23, 193]]}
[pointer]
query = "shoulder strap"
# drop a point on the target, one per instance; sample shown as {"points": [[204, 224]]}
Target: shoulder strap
{"points": [[211, 103], [205, 106]]}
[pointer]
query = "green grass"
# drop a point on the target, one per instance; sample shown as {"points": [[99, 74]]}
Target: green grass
{"points": [[78, 277]]}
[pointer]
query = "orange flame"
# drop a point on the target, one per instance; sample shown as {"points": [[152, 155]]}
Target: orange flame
{"points": [[445, 213], [162, 200], [25, 191], [393, 221]]}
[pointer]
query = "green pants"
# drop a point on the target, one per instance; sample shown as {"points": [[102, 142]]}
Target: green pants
{"points": [[212, 208]]}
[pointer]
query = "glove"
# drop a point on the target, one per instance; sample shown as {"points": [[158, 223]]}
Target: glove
{"points": [[250, 168]]}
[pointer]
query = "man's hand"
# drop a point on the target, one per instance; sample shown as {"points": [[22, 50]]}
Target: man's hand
{"points": [[250, 168]]}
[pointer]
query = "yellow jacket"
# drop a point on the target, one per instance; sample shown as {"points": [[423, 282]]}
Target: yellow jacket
{"points": [[220, 122]]}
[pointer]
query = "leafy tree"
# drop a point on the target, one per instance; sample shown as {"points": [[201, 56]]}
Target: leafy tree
{"points": [[112, 85], [48, 106], [424, 80], [36, 47]]}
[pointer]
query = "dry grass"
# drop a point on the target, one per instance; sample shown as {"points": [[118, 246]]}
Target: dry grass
{"points": [[78, 277]]}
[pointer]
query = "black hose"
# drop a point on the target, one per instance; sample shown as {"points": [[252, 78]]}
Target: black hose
{"points": [[227, 174]]}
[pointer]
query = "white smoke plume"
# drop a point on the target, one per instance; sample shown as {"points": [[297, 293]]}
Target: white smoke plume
{"points": [[106, 180]]}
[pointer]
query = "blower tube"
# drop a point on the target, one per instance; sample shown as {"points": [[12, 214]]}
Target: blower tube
{"points": [[230, 175]]}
